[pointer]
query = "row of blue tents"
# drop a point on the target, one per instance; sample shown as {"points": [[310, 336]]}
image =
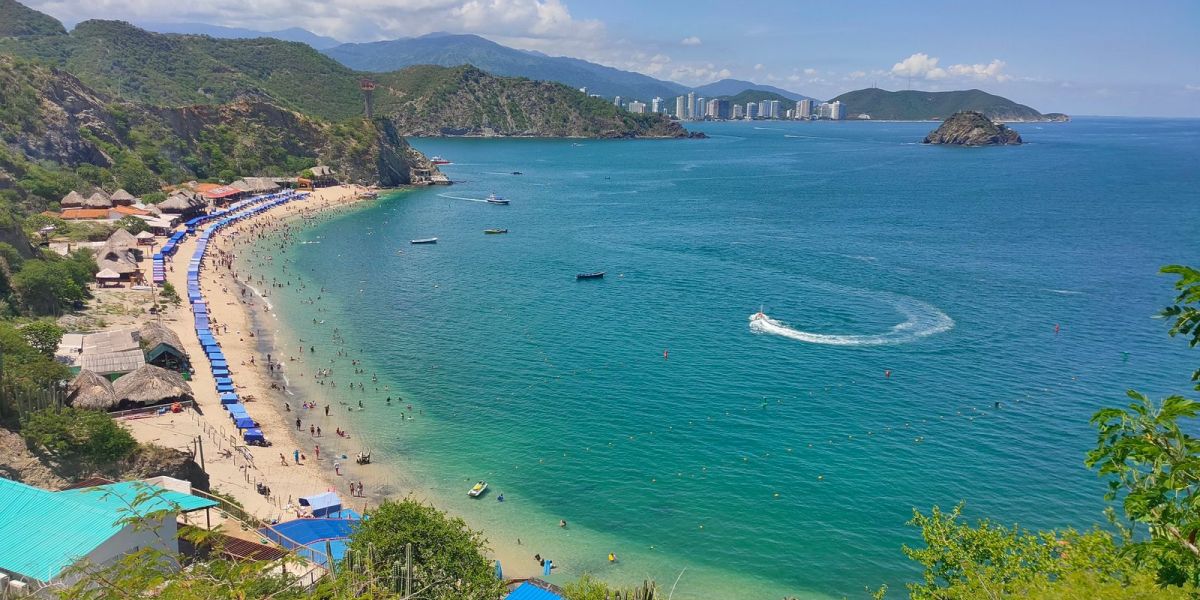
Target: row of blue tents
{"points": [[212, 349]]}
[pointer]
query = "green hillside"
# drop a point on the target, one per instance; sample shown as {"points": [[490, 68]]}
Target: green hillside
{"points": [[913, 105], [17, 20], [123, 61]]}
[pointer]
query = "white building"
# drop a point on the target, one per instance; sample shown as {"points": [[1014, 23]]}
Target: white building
{"points": [[751, 111], [764, 109], [691, 105], [617, 101], [680, 107], [804, 109], [835, 110], [773, 109], [656, 104], [700, 106], [825, 111], [637, 107], [738, 112]]}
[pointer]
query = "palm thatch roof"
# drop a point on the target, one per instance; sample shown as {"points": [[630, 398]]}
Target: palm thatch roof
{"points": [[108, 274], [121, 237], [153, 333], [180, 202], [97, 200], [90, 390], [152, 385], [118, 258], [123, 198], [71, 200]]}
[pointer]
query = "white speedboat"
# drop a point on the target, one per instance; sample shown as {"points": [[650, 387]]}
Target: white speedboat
{"points": [[478, 489], [494, 199], [424, 241]]}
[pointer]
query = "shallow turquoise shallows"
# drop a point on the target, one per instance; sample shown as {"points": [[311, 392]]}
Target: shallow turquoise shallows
{"points": [[941, 323]]}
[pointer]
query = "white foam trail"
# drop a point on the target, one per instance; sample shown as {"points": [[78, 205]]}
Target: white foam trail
{"points": [[452, 197], [922, 320], [1063, 292]]}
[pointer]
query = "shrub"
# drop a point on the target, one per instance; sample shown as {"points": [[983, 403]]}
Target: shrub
{"points": [[76, 433]]}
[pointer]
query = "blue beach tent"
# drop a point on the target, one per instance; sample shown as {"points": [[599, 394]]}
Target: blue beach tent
{"points": [[224, 387], [244, 423], [229, 398], [254, 434], [322, 504]]}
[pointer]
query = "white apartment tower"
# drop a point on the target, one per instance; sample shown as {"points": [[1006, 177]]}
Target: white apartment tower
{"points": [[804, 109], [835, 110], [680, 111], [656, 105], [691, 105]]}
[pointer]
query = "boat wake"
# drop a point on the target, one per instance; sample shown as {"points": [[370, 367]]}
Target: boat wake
{"points": [[453, 197], [921, 320]]}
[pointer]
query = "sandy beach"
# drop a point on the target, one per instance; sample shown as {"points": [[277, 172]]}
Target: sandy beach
{"points": [[279, 387]]}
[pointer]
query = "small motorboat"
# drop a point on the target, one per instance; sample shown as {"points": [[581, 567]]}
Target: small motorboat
{"points": [[437, 160], [478, 489], [596, 275], [495, 231], [424, 241], [494, 199], [758, 316], [517, 173]]}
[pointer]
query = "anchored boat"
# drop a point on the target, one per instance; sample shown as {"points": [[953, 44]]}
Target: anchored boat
{"points": [[424, 241], [495, 231], [596, 275], [478, 490]]}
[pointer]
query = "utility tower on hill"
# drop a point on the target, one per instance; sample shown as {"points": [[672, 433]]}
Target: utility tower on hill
{"points": [[368, 89]]}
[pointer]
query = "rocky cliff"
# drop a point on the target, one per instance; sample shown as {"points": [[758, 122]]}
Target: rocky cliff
{"points": [[51, 122], [970, 128]]}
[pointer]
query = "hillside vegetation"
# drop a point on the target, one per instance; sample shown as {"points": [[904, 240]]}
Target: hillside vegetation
{"points": [[913, 105], [123, 61]]}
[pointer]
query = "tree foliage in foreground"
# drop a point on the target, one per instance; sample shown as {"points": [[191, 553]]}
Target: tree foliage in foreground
{"points": [[76, 433]]}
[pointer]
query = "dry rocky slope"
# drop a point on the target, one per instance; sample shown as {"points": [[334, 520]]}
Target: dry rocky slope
{"points": [[50, 117], [969, 128]]}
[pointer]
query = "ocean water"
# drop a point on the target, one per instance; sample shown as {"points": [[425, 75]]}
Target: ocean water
{"points": [[942, 324]]}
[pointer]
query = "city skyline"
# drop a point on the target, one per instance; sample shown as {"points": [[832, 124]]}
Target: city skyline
{"points": [[1076, 57]]}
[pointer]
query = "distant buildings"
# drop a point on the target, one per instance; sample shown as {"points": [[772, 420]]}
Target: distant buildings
{"points": [[751, 111], [656, 105], [804, 109], [773, 109], [637, 107], [835, 110], [738, 112], [717, 108], [680, 111], [691, 105], [617, 102]]}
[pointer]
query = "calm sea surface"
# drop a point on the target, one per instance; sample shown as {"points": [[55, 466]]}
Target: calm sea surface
{"points": [[644, 409]]}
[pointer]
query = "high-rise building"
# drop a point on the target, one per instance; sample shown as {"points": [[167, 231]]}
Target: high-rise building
{"points": [[617, 101], [804, 109], [738, 112], [637, 107], [835, 110], [773, 111], [825, 111], [751, 111], [718, 109], [700, 114], [680, 110], [763, 109], [691, 105], [656, 105]]}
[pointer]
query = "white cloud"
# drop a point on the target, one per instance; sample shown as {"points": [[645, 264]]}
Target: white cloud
{"points": [[700, 74], [691, 40], [856, 74], [1191, 87], [981, 72], [919, 65], [759, 67], [810, 71]]}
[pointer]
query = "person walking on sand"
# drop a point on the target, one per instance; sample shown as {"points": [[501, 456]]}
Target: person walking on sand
{"points": [[298, 424], [282, 460], [318, 451], [296, 456], [312, 430]]}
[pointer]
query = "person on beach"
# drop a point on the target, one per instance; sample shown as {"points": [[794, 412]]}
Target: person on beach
{"points": [[312, 430], [318, 451], [298, 424], [562, 523], [296, 456], [282, 460]]}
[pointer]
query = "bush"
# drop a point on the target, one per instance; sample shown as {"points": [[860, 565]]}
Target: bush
{"points": [[43, 336], [132, 224], [168, 293], [76, 433], [447, 556]]}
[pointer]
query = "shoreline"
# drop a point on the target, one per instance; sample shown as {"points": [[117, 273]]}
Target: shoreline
{"points": [[251, 330]]}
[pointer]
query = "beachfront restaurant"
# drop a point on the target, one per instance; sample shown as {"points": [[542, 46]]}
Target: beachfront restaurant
{"points": [[46, 532]]}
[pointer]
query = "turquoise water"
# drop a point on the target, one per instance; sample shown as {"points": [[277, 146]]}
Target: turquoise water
{"points": [[779, 461]]}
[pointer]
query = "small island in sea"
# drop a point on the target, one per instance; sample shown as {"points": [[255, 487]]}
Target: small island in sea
{"points": [[971, 128]]}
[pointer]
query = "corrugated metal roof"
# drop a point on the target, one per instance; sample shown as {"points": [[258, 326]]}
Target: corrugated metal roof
{"points": [[45, 532], [531, 591], [149, 498], [105, 363]]}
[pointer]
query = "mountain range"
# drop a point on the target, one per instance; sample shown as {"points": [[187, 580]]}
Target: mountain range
{"points": [[291, 34]]}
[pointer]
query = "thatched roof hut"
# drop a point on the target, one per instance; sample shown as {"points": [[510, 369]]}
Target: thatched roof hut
{"points": [[123, 198], [117, 258], [181, 202], [163, 348], [71, 200], [152, 385], [97, 200], [90, 390], [121, 237]]}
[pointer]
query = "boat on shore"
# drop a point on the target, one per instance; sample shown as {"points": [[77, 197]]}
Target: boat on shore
{"points": [[595, 275], [437, 160], [494, 199], [495, 231], [478, 489], [424, 241]]}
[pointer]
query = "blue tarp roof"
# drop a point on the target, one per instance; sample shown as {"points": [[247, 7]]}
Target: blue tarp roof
{"points": [[529, 591], [244, 422], [253, 434], [322, 502], [229, 398]]}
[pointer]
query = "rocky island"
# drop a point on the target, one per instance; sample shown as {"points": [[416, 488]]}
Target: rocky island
{"points": [[971, 128]]}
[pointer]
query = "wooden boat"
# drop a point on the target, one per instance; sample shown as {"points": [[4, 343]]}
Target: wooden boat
{"points": [[596, 275], [494, 231], [478, 489], [424, 241], [494, 199]]}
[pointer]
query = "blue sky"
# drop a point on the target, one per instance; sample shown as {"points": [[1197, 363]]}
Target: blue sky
{"points": [[1105, 57]]}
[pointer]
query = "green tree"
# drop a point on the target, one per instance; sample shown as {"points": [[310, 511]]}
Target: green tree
{"points": [[447, 555], [168, 293], [132, 224], [44, 336], [1186, 310], [75, 433], [25, 364], [45, 287]]}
